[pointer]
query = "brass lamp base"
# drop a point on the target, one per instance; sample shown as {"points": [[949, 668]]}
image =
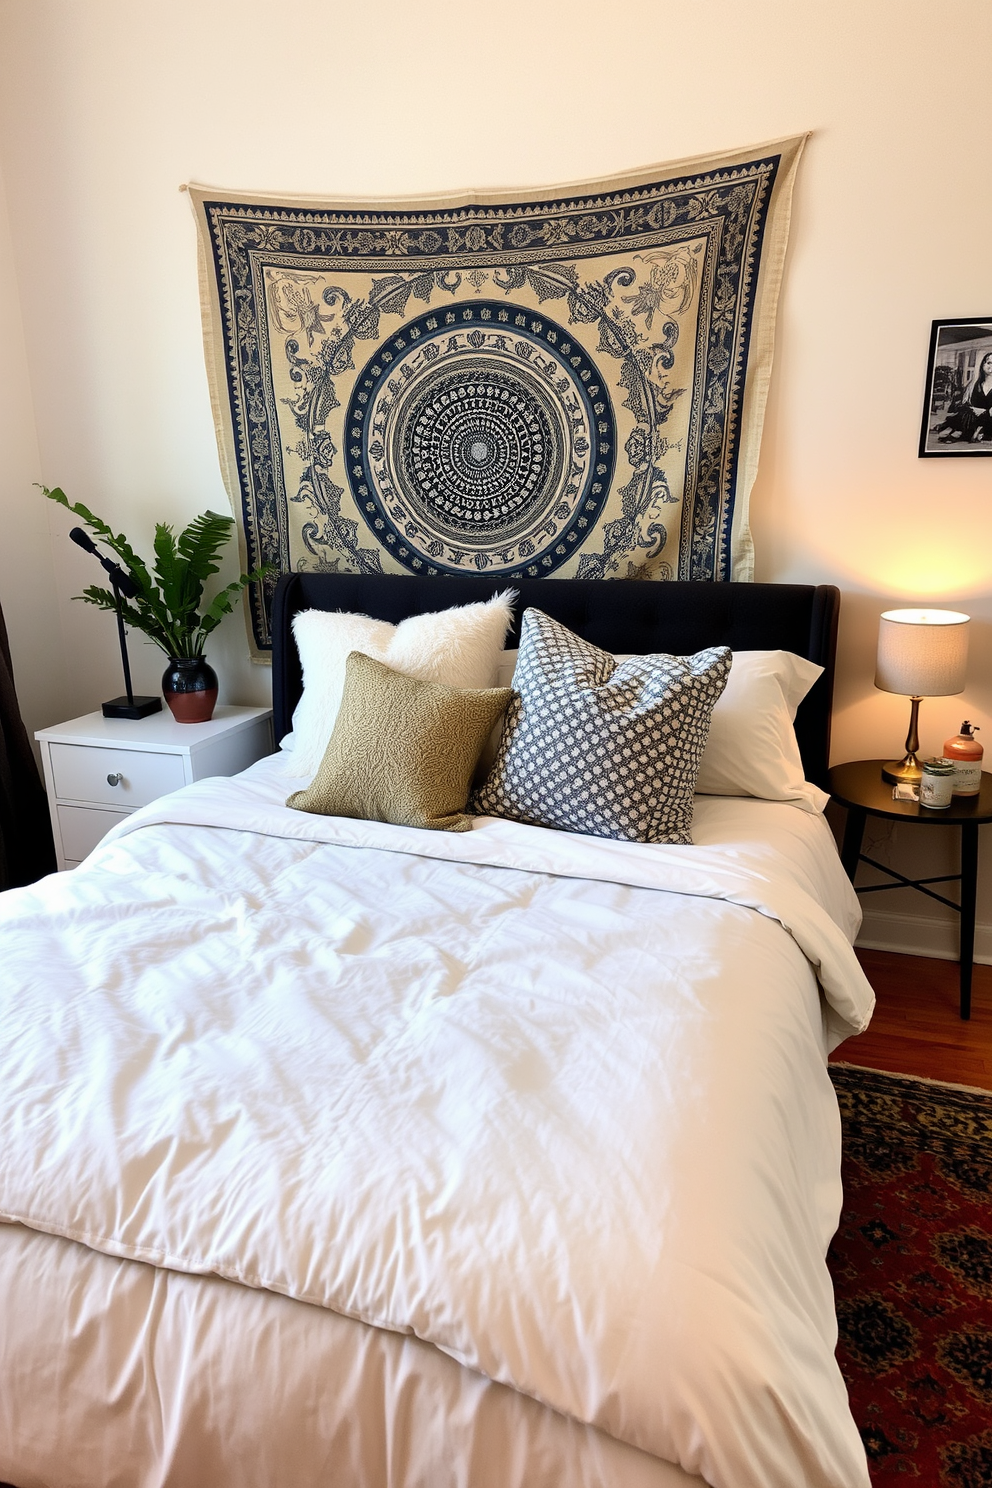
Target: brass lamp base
{"points": [[907, 771]]}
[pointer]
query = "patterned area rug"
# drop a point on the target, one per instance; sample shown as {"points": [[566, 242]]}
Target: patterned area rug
{"points": [[912, 1269], [561, 383]]}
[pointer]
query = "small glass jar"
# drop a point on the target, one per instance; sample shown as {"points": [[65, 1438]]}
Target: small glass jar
{"points": [[936, 784]]}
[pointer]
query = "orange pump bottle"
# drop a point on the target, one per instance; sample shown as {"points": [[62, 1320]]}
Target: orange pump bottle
{"points": [[965, 753]]}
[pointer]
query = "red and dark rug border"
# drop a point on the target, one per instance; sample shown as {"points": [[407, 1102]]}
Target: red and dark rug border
{"points": [[912, 1269]]}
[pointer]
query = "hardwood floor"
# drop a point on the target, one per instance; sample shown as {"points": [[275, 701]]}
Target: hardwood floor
{"points": [[916, 1029]]}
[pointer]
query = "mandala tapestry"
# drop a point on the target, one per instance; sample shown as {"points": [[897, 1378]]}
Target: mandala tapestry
{"points": [[564, 383]]}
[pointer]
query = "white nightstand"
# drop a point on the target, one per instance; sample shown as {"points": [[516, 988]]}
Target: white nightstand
{"points": [[98, 770]]}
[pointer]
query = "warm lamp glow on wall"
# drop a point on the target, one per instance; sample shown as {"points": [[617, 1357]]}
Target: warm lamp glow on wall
{"points": [[921, 653]]}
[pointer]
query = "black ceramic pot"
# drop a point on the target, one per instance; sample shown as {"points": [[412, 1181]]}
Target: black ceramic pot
{"points": [[189, 684]]}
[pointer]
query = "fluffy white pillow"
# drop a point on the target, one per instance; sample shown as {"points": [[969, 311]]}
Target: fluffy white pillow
{"points": [[460, 647], [752, 748]]}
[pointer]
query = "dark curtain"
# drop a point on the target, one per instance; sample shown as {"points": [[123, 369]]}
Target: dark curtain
{"points": [[26, 849]]}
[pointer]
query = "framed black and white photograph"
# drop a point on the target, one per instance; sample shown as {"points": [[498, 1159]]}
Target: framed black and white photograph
{"points": [[957, 408]]}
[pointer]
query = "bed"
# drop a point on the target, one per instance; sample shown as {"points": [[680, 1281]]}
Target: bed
{"points": [[339, 1152]]}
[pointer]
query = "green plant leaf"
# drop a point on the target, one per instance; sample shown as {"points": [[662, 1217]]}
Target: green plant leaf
{"points": [[223, 603], [181, 592], [202, 540], [167, 607], [134, 617], [117, 542]]}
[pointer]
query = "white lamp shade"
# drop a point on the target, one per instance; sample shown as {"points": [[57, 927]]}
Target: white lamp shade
{"points": [[922, 653]]}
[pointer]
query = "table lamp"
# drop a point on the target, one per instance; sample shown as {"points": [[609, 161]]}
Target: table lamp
{"points": [[921, 653]]}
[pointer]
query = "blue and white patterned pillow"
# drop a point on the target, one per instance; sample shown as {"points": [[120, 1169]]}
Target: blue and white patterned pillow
{"points": [[590, 745]]}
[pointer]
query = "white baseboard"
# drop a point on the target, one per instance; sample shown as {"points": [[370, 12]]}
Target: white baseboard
{"points": [[920, 935]]}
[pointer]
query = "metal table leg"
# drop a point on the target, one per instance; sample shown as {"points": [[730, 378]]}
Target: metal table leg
{"points": [[854, 831], [969, 890]]}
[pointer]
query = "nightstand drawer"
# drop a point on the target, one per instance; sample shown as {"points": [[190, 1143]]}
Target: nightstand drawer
{"points": [[145, 758], [80, 773], [81, 829]]}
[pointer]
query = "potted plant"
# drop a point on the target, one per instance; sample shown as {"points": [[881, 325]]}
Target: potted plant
{"points": [[167, 604]]}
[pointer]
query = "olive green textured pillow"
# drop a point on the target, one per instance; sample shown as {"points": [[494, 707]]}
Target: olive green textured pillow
{"points": [[401, 750]]}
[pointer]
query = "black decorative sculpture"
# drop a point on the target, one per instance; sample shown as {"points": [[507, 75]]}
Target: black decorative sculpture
{"points": [[121, 583]]}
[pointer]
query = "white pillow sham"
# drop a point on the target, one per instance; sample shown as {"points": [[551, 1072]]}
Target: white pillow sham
{"points": [[459, 647], [751, 749]]}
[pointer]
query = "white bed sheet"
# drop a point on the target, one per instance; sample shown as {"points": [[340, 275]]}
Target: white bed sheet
{"points": [[573, 1133]]}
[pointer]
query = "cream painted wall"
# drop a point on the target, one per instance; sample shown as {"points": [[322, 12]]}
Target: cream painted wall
{"points": [[109, 104], [27, 576]]}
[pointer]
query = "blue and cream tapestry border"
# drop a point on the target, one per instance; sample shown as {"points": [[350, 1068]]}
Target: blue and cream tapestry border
{"points": [[564, 383]]}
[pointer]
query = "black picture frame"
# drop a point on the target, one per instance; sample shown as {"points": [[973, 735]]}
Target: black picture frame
{"points": [[952, 424]]}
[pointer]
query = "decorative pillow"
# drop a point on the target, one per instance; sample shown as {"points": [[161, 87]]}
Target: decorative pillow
{"points": [[752, 748], [594, 746], [459, 647], [401, 750]]}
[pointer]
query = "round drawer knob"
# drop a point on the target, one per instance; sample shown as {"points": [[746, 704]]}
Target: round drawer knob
{"points": [[115, 778]]}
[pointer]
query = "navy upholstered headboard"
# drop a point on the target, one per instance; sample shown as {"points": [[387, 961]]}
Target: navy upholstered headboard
{"points": [[620, 616]]}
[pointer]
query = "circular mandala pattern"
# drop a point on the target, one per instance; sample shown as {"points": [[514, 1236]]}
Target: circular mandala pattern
{"points": [[481, 448], [481, 438]]}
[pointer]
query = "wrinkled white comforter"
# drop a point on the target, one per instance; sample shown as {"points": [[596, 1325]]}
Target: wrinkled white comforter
{"points": [[557, 1105]]}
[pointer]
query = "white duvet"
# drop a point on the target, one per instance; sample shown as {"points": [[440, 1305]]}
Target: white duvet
{"points": [[557, 1105]]}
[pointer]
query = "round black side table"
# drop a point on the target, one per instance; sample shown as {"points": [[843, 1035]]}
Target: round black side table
{"points": [[859, 786]]}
